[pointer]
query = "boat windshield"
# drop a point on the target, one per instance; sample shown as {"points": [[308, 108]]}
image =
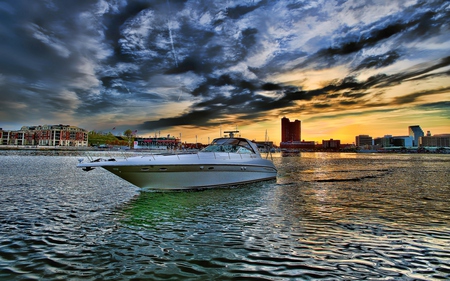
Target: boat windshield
{"points": [[229, 145]]}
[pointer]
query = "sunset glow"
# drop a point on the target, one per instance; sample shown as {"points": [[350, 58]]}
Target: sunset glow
{"points": [[195, 69]]}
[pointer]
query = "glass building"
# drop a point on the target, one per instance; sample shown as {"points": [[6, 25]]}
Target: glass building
{"points": [[416, 133]]}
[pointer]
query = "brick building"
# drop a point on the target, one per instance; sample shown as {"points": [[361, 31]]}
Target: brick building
{"points": [[46, 135]]}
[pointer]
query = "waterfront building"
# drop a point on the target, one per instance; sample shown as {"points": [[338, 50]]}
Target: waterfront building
{"points": [[264, 146], [331, 144], [298, 146], [402, 141], [4, 137], [46, 135], [383, 141], [442, 140], [364, 140], [159, 143], [416, 133], [290, 131], [291, 135], [390, 141]]}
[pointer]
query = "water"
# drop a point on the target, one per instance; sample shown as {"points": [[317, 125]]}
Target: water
{"points": [[327, 216]]}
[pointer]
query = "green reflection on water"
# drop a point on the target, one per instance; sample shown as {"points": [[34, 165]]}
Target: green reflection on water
{"points": [[150, 209]]}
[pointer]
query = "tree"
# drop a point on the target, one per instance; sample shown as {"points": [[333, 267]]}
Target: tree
{"points": [[129, 134], [98, 138]]}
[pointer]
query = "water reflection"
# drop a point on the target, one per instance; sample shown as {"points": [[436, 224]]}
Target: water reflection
{"points": [[153, 208], [290, 154], [331, 217], [398, 188]]}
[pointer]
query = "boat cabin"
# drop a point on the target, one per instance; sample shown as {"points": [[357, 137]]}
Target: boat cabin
{"points": [[231, 145]]}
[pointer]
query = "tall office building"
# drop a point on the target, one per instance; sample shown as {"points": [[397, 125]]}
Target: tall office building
{"points": [[363, 140], [416, 133], [290, 131]]}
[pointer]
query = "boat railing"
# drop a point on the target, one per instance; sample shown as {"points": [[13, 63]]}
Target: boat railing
{"points": [[218, 155], [125, 155], [203, 155], [229, 155]]}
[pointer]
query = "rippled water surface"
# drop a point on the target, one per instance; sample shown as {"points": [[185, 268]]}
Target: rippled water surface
{"points": [[327, 216]]}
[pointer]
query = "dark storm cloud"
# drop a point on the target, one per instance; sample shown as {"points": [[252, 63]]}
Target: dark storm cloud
{"points": [[94, 57], [418, 21], [239, 11], [350, 114], [193, 118], [375, 37], [410, 98], [443, 107], [423, 71], [378, 61], [245, 99]]}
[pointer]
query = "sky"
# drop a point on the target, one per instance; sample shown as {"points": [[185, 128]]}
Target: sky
{"points": [[197, 68]]}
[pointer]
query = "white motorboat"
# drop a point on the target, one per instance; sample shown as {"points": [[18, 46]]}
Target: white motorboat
{"points": [[226, 162]]}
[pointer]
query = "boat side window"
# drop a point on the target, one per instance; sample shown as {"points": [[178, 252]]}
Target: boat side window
{"points": [[246, 145], [244, 150], [212, 148], [219, 141], [229, 148]]}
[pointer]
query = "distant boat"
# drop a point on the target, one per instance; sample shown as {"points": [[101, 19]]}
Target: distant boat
{"points": [[225, 162]]}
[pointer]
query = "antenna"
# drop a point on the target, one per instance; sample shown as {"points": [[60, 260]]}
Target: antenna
{"points": [[231, 133]]}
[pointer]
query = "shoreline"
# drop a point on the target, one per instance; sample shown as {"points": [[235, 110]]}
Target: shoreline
{"points": [[75, 151], [50, 150], [129, 153]]}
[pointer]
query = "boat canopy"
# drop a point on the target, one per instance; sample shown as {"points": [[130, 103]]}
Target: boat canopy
{"points": [[232, 145]]}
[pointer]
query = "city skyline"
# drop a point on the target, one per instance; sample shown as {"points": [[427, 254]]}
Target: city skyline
{"points": [[290, 132], [197, 68]]}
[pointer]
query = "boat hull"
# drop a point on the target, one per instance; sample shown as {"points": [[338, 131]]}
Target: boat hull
{"points": [[191, 176]]}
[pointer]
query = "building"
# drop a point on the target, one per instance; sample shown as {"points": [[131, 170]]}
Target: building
{"points": [[4, 136], [364, 140], [416, 133], [331, 144], [159, 143], [402, 141], [291, 135], [383, 141], [290, 131], [435, 141], [264, 146], [397, 141], [46, 135], [298, 146]]}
